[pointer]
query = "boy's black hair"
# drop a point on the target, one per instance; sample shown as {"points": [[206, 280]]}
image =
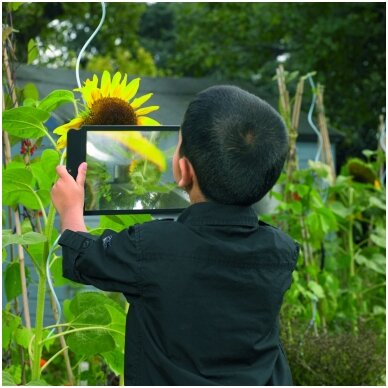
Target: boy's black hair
{"points": [[236, 142]]}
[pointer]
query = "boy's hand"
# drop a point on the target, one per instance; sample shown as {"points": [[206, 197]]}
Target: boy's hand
{"points": [[68, 198]]}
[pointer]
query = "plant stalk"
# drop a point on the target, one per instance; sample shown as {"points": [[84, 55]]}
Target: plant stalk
{"points": [[35, 375], [64, 351], [350, 234]]}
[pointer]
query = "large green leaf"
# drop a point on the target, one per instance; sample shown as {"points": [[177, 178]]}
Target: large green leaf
{"points": [[55, 99], [120, 222], [18, 189], [85, 300], [91, 342], [95, 314], [118, 320], [25, 122], [43, 169], [24, 239]]}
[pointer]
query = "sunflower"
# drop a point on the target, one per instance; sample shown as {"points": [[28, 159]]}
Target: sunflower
{"points": [[109, 104]]}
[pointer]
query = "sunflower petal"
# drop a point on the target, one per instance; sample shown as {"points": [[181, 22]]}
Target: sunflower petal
{"points": [[137, 102], [131, 89], [124, 81], [105, 84], [95, 80], [95, 95], [148, 109], [115, 80], [73, 124], [142, 120], [61, 142]]}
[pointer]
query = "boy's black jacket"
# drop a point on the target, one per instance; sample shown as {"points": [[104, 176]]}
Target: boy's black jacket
{"points": [[205, 293]]}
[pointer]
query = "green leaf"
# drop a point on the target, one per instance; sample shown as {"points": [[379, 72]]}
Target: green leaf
{"points": [[327, 219], [43, 169], [379, 238], [316, 289], [23, 337], [39, 383], [14, 5], [115, 361], [24, 239], [12, 281], [376, 262], [7, 31], [119, 222], [33, 51], [118, 320], [56, 273], [25, 122], [90, 342], [17, 189], [30, 91], [98, 315], [378, 310], [375, 202], [55, 99], [10, 323], [84, 300], [340, 210], [7, 379]]}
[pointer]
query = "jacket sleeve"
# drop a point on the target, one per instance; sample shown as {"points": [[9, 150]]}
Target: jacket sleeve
{"points": [[109, 262]]}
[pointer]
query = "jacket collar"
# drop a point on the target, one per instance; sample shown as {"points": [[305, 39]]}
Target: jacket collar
{"points": [[212, 213]]}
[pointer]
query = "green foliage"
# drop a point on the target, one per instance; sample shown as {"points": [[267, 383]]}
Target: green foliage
{"points": [[340, 359], [342, 235], [243, 41], [140, 63]]}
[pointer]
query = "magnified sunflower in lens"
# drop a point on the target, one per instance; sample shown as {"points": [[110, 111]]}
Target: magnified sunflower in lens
{"points": [[111, 103]]}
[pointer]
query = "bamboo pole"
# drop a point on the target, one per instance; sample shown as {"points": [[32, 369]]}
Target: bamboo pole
{"points": [[8, 158], [7, 155]]}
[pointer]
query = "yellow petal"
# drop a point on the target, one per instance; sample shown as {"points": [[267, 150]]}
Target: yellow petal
{"points": [[131, 89], [95, 95], [142, 120], [117, 92], [140, 145], [137, 102], [124, 81], [62, 142], [105, 84], [148, 109], [95, 80], [115, 81], [73, 124]]}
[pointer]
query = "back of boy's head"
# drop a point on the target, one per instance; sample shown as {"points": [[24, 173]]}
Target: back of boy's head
{"points": [[236, 142]]}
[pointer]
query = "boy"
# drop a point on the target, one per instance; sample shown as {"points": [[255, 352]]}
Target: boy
{"points": [[206, 290]]}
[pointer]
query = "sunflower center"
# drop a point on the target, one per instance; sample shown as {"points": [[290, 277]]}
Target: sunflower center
{"points": [[111, 111]]}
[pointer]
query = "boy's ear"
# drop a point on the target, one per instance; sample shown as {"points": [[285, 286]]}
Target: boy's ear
{"points": [[187, 173]]}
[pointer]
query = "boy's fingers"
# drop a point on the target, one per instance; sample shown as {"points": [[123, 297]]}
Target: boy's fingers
{"points": [[62, 172], [82, 173]]}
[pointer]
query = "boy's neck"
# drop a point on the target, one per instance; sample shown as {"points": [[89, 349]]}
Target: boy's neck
{"points": [[196, 195]]}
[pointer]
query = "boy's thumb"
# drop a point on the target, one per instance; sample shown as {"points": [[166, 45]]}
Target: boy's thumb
{"points": [[82, 173]]}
